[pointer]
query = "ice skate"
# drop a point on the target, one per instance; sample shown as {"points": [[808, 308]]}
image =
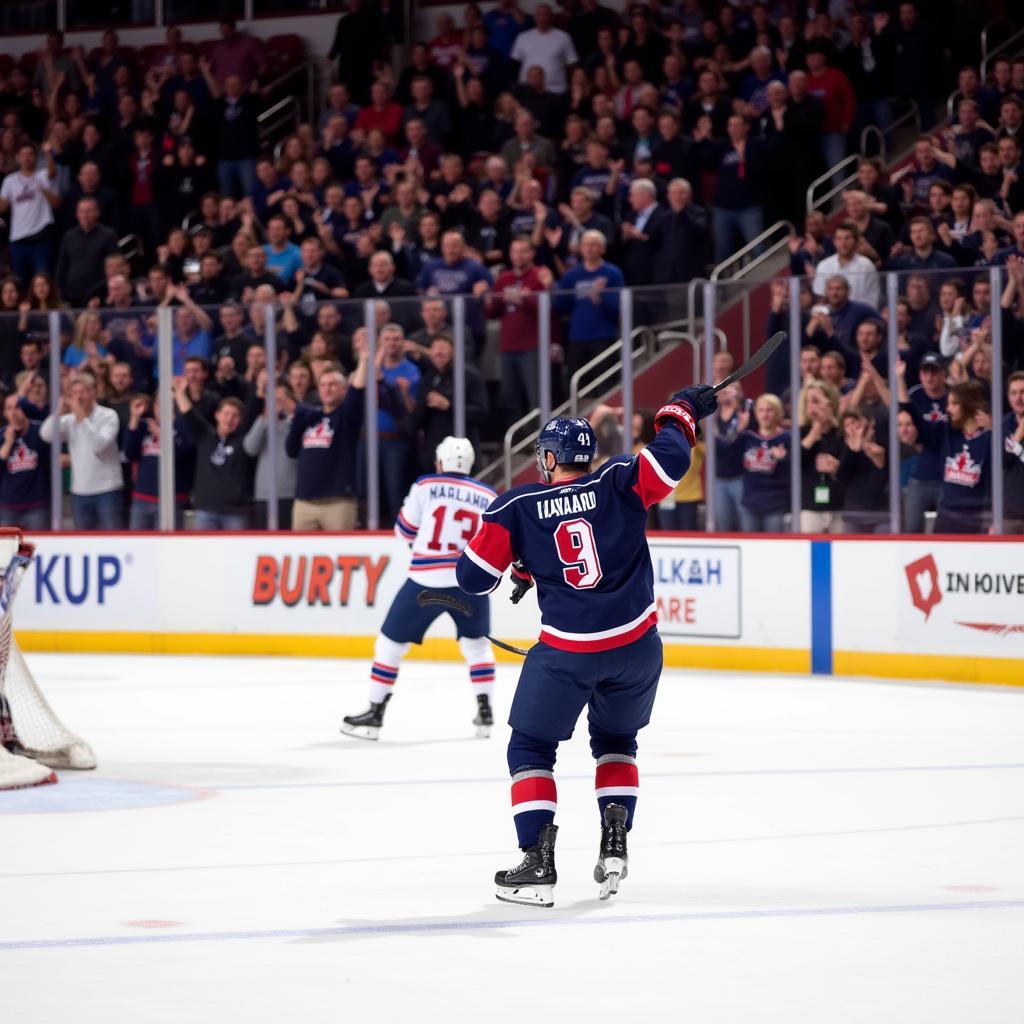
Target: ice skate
{"points": [[532, 881], [366, 726], [484, 717], [612, 858]]}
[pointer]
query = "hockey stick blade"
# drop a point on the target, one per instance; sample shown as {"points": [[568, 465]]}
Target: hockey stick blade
{"points": [[427, 597], [455, 604], [758, 359]]}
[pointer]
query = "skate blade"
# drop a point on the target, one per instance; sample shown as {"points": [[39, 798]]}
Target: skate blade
{"points": [[527, 895], [361, 732], [610, 873], [610, 886], [483, 732]]}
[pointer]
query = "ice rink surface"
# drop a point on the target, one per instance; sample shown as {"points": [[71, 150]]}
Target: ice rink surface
{"points": [[805, 851]]}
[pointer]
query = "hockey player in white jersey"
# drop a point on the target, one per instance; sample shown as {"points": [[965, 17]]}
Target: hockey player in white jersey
{"points": [[439, 517]]}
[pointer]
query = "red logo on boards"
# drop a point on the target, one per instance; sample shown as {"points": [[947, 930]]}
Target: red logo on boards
{"points": [[923, 580]]}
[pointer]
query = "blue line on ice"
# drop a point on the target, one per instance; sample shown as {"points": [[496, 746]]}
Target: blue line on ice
{"points": [[541, 920], [646, 775]]}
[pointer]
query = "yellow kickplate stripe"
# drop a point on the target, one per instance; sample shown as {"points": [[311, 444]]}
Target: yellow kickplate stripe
{"points": [[286, 645], [738, 659], [432, 649], [946, 667]]}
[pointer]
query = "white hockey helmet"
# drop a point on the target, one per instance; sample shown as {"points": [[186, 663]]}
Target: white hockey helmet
{"points": [[455, 455]]}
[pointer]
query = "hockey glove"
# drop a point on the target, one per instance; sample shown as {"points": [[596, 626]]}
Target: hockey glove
{"points": [[522, 581], [686, 408]]}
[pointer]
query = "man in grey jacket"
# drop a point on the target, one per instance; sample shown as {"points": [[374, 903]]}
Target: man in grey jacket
{"points": [[257, 443], [90, 431]]}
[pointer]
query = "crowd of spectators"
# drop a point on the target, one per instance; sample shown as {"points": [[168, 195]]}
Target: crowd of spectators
{"points": [[572, 151], [940, 223]]}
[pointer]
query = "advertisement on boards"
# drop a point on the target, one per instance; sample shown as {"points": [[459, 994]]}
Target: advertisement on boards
{"points": [[698, 588], [933, 597]]}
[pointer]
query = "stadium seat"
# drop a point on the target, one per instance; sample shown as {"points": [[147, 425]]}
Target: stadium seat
{"points": [[284, 52]]}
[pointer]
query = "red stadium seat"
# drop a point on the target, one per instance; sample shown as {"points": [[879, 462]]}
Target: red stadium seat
{"points": [[284, 52], [149, 53]]}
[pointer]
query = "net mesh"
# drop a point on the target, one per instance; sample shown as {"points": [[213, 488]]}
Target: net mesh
{"points": [[28, 724]]}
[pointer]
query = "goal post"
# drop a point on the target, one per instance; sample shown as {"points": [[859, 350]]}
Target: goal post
{"points": [[33, 740]]}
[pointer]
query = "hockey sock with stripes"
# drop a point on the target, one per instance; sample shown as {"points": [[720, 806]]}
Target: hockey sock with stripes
{"points": [[617, 781], [534, 801], [480, 659], [387, 656]]}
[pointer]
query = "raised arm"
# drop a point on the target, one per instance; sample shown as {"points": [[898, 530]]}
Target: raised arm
{"points": [[211, 83]]}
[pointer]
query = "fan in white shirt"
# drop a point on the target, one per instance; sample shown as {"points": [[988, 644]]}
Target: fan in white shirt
{"points": [[548, 48], [29, 194], [860, 273]]}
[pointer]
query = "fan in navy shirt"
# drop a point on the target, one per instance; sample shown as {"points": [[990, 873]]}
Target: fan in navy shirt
{"points": [[24, 470], [454, 273], [965, 449], [844, 315], [590, 294], [740, 163], [929, 398], [323, 439], [765, 453], [141, 448]]}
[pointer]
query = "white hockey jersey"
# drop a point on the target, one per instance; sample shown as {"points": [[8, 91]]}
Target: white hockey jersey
{"points": [[439, 517]]}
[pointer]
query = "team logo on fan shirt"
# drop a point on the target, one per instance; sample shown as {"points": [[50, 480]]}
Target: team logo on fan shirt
{"points": [[22, 459], [319, 436], [760, 459], [962, 469]]}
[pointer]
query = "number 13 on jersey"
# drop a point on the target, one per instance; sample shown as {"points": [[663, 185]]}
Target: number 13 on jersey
{"points": [[577, 549]]}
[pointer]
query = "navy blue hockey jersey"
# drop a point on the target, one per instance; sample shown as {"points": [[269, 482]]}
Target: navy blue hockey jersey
{"points": [[584, 543]]}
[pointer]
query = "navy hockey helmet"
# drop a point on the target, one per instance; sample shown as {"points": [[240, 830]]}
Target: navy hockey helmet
{"points": [[571, 441]]}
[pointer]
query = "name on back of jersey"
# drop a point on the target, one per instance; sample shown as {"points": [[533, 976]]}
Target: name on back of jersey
{"points": [[567, 504], [452, 492]]}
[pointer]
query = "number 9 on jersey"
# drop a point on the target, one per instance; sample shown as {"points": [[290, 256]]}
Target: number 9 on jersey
{"points": [[574, 540]]}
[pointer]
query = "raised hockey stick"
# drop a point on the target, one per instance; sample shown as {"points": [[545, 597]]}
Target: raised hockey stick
{"points": [[759, 358], [456, 604]]}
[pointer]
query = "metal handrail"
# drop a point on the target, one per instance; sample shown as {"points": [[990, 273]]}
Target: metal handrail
{"points": [[718, 273], [265, 115], [286, 110], [951, 99], [509, 449], [691, 303], [578, 390], [828, 176], [1005, 44], [913, 114], [309, 68], [988, 28], [604, 355], [133, 242]]}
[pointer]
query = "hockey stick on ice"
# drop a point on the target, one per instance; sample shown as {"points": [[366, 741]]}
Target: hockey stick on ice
{"points": [[456, 604], [758, 359]]}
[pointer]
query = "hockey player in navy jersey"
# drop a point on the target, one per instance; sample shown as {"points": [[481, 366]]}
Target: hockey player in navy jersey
{"points": [[440, 514], [580, 536]]}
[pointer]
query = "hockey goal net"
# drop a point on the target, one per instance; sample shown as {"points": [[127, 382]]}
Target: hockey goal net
{"points": [[33, 740]]}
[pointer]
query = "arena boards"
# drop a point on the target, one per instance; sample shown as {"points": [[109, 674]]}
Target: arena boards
{"points": [[934, 608]]}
